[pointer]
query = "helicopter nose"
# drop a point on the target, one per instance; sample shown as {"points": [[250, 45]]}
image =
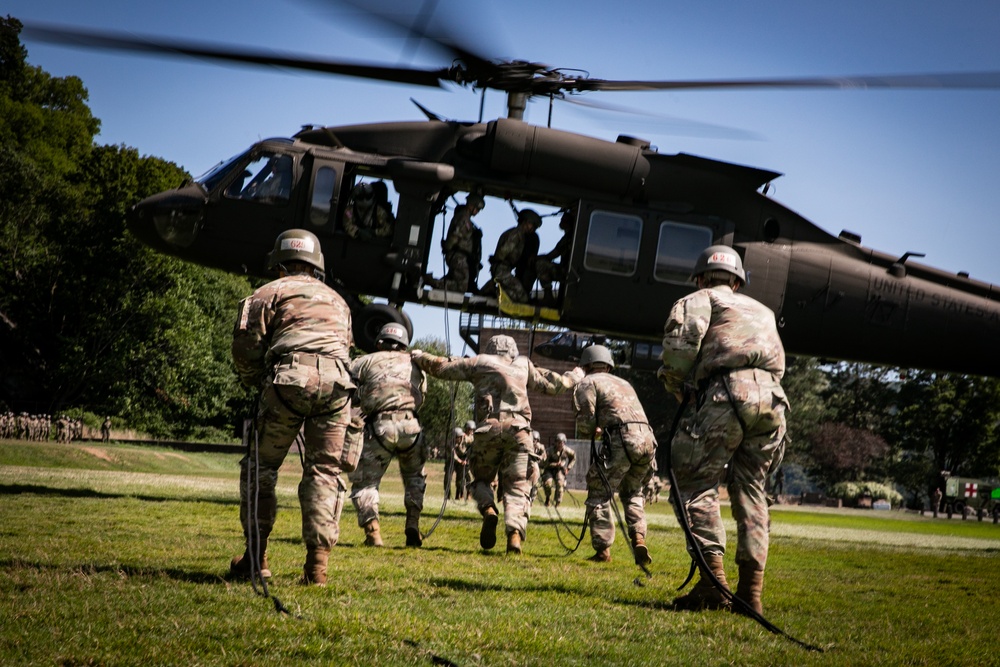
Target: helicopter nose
{"points": [[169, 220]]}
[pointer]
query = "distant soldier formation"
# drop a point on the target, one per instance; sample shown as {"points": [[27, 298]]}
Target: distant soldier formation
{"points": [[722, 359], [40, 428]]}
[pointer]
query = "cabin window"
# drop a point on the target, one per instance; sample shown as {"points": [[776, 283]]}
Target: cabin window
{"points": [[322, 197], [678, 250], [613, 243]]}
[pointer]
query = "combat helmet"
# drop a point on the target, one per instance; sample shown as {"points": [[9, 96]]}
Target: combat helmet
{"points": [[458, 432], [501, 345], [475, 203], [296, 245], [393, 332], [596, 354], [560, 437], [470, 425], [529, 215], [720, 258]]}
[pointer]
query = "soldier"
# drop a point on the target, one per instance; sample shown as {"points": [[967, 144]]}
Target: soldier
{"points": [[607, 406], [460, 456], [559, 460], [549, 270], [106, 429], [365, 219], [291, 342], [390, 391], [726, 346], [503, 444], [463, 248], [513, 261]]}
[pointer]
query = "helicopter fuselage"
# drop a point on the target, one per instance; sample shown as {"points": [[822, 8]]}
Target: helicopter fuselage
{"points": [[642, 218]]}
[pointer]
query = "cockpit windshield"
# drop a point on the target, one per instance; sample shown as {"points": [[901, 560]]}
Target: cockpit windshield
{"points": [[217, 174]]}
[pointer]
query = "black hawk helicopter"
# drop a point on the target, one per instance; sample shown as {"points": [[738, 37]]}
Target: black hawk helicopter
{"points": [[641, 217]]}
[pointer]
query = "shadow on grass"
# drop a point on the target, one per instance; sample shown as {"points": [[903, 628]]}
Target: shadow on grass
{"points": [[37, 489], [90, 569]]}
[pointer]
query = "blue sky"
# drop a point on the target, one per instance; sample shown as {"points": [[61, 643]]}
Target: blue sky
{"points": [[908, 170]]}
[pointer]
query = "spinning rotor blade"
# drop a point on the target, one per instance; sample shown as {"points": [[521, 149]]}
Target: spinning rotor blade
{"points": [[955, 80], [120, 42]]}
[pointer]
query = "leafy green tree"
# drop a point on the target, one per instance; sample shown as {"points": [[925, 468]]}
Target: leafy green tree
{"points": [[805, 384], [446, 405], [842, 453]]}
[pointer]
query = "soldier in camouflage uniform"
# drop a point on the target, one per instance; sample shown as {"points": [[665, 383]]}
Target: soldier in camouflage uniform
{"points": [[726, 347], [390, 392], [365, 218], [559, 460], [513, 261], [460, 456], [501, 380], [291, 342], [462, 248], [607, 406], [551, 266]]}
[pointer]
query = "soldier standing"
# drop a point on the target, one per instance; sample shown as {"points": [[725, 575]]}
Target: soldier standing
{"points": [[607, 406], [106, 429], [559, 460], [463, 248], [503, 444], [460, 456], [291, 342], [726, 346], [390, 392]]}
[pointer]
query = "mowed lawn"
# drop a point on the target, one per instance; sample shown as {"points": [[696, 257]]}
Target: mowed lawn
{"points": [[116, 555]]}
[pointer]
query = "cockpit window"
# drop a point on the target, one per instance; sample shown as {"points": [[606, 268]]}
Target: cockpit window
{"points": [[218, 173], [613, 243], [678, 250], [266, 179]]}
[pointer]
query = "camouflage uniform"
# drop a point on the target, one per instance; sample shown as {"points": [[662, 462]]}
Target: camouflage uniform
{"points": [[513, 261], [460, 456], [463, 253], [727, 346], [291, 341], [559, 460], [390, 391], [625, 458], [373, 223], [503, 442]]}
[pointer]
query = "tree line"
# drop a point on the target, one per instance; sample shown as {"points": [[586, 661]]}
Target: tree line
{"points": [[93, 321]]}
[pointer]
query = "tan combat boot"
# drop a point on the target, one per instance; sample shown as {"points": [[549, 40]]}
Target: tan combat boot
{"points": [[749, 588], [601, 556], [373, 536], [639, 550], [488, 533], [514, 543], [240, 566], [314, 571], [705, 595]]}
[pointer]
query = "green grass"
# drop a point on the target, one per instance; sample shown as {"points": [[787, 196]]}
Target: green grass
{"points": [[120, 562]]}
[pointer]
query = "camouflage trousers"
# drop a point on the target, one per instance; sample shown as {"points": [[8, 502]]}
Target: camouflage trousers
{"points": [[312, 398], [504, 449], [388, 435], [511, 284], [457, 278], [626, 463], [709, 437], [554, 479]]}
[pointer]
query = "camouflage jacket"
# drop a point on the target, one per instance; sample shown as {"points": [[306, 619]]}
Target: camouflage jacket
{"points": [[564, 458], [606, 400], [500, 385], [388, 380], [375, 223], [714, 330], [292, 314], [461, 234]]}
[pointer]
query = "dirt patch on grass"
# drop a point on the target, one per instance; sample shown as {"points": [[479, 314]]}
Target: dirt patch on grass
{"points": [[99, 453], [163, 456]]}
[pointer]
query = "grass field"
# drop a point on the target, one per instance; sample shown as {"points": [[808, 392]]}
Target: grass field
{"points": [[114, 555]]}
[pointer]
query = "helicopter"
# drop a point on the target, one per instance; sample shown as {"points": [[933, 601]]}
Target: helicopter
{"points": [[642, 217]]}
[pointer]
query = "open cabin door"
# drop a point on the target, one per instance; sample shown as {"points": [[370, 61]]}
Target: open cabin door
{"points": [[629, 265]]}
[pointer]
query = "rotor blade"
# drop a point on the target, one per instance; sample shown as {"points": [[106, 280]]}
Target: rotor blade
{"points": [[955, 80], [679, 126], [121, 42]]}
